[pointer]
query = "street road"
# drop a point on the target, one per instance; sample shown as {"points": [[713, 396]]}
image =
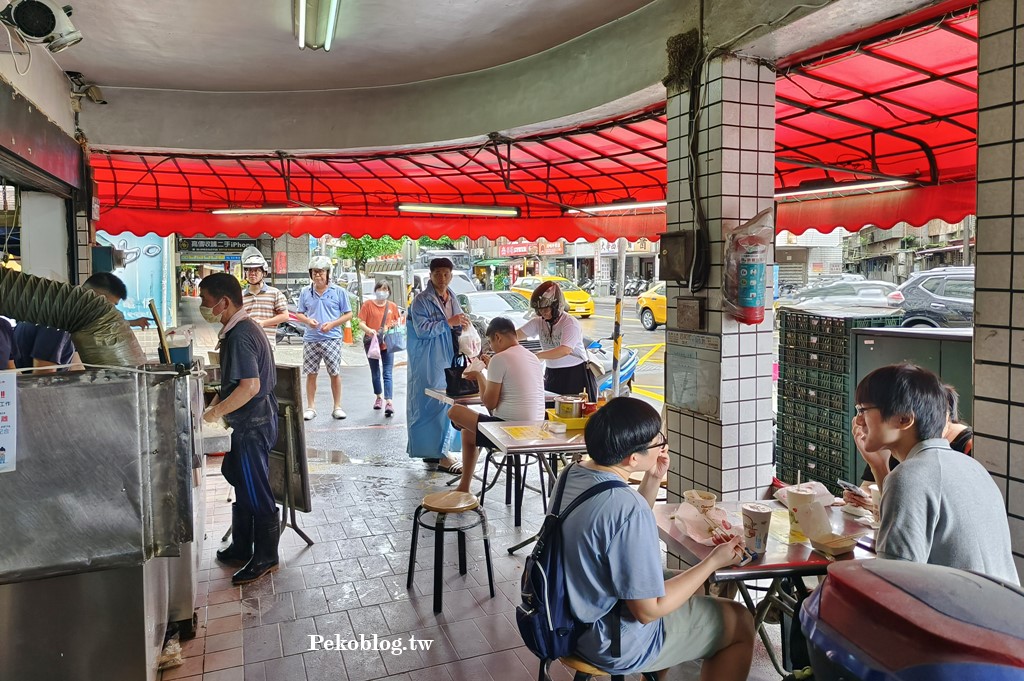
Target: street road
{"points": [[649, 382]]}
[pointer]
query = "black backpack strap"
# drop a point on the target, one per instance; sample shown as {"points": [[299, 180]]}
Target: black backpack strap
{"points": [[556, 502]]}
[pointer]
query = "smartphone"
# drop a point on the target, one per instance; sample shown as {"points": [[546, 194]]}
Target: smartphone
{"points": [[850, 487]]}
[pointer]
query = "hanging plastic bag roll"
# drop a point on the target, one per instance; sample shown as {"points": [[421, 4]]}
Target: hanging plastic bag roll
{"points": [[746, 261]]}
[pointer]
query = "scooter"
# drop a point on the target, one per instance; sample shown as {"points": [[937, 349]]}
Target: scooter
{"points": [[292, 328], [599, 358]]}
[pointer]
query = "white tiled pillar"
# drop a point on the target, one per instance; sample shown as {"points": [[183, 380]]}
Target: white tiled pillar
{"points": [[999, 301], [721, 439]]}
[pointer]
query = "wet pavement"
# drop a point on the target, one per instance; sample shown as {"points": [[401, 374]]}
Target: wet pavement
{"points": [[352, 581]]}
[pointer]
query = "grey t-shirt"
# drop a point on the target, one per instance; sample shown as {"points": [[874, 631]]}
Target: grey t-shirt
{"points": [[943, 508], [612, 553]]}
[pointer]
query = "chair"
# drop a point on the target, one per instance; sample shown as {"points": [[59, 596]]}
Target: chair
{"points": [[515, 479], [584, 670], [443, 504]]}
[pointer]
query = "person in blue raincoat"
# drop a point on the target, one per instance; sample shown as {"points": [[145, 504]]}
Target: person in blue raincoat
{"points": [[434, 323]]}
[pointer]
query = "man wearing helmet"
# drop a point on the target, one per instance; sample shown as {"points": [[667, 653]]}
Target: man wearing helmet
{"points": [[561, 341], [265, 304], [324, 307]]}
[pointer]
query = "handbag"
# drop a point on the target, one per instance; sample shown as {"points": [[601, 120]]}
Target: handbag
{"points": [[394, 338], [455, 384]]}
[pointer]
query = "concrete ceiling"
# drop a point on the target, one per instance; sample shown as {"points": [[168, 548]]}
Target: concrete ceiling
{"points": [[248, 45]]}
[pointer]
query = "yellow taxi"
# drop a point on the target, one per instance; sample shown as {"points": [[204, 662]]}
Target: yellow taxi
{"points": [[650, 307], [579, 301]]}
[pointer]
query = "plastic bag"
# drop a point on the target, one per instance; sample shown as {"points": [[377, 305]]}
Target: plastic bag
{"points": [[746, 260], [469, 342], [373, 352], [478, 366]]}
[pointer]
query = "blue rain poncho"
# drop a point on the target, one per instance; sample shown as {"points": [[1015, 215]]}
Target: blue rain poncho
{"points": [[430, 353]]}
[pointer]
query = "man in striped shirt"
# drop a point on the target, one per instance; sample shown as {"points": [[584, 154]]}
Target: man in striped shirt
{"points": [[264, 303]]}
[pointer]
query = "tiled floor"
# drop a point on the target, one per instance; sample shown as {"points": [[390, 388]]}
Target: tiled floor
{"points": [[352, 582]]}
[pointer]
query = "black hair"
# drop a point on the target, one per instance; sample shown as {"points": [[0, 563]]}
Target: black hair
{"points": [[437, 263], [105, 282], [953, 399], [907, 389], [381, 283], [502, 325], [223, 285], [622, 427]]}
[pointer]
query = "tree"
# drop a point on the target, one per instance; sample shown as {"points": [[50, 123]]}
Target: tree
{"points": [[445, 243], [362, 250]]}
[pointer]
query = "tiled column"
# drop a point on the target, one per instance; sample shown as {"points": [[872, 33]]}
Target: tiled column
{"points": [[999, 301], [719, 381]]}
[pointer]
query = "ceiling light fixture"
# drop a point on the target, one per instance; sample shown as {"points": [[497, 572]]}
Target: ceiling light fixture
{"points": [[275, 210], [614, 207], [815, 187], [459, 209], [315, 22]]}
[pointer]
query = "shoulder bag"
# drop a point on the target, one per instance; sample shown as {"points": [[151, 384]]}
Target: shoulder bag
{"points": [[455, 384]]}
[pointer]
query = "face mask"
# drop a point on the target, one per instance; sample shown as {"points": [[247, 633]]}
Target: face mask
{"points": [[382, 295], [209, 314]]}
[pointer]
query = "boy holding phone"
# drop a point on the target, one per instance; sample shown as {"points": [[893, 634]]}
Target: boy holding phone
{"points": [[938, 506]]}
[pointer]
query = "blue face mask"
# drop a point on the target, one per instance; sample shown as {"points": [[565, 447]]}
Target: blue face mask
{"points": [[382, 295]]}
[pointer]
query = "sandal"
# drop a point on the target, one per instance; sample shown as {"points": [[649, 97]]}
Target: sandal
{"points": [[309, 415], [454, 468]]}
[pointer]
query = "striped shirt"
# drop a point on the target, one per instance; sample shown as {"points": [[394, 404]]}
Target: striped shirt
{"points": [[264, 305]]}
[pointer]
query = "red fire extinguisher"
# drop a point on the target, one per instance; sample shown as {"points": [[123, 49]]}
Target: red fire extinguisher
{"points": [[746, 261]]}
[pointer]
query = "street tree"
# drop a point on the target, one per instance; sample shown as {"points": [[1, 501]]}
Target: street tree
{"points": [[362, 250]]}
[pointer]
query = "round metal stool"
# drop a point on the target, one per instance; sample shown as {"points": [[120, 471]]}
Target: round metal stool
{"points": [[443, 504]]}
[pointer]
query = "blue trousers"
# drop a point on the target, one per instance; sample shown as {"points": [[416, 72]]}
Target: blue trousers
{"points": [[246, 466], [385, 365]]}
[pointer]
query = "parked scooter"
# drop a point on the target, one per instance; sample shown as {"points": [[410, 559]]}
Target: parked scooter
{"points": [[292, 328]]}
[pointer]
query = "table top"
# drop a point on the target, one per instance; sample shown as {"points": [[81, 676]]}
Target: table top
{"points": [[470, 400], [569, 441], [441, 395], [779, 560]]}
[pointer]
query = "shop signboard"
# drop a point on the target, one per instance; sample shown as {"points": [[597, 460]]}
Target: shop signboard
{"points": [[203, 245], [281, 262], [517, 250], [553, 248], [147, 273]]}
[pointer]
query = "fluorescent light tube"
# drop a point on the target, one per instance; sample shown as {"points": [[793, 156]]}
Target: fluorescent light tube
{"points": [[842, 187], [332, 19], [302, 24], [268, 211], [459, 209], [613, 207]]}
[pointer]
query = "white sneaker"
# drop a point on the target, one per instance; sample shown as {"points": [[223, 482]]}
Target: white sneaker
{"points": [[309, 415], [339, 413]]}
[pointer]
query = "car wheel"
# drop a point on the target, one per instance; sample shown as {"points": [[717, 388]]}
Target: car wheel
{"points": [[647, 319]]}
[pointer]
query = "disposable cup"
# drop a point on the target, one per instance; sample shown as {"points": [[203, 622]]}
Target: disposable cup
{"points": [[757, 519], [795, 498], [876, 495]]}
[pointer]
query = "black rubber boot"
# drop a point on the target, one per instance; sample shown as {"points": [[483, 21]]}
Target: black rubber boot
{"points": [[240, 551], [264, 557]]}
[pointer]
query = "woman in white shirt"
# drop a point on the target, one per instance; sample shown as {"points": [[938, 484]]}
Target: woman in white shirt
{"points": [[561, 341]]}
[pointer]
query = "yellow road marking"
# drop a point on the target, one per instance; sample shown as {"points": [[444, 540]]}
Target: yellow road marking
{"points": [[647, 393], [623, 320], [648, 355], [645, 345], [644, 385]]}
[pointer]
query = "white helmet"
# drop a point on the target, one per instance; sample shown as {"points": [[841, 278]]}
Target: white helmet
{"points": [[251, 257], [320, 262]]}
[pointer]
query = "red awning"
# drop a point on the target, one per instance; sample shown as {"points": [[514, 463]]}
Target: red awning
{"points": [[900, 102], [951, 202], [616, 161]]}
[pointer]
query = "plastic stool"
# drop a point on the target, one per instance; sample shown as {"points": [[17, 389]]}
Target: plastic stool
{"points": [[443, 504], [585, 671]]}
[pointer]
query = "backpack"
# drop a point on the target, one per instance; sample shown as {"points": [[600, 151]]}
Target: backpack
{"points": [[544, 617]]}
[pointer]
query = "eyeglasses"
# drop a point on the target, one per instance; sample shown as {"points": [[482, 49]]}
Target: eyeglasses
{"points": [[861, 410], [660, 443]]}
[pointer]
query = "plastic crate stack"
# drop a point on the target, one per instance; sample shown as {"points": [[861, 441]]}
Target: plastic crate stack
{"points": [[816, 396]]}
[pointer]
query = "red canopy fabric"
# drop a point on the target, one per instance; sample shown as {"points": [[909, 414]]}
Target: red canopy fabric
{"points": [[916, 206], [900, 103]]}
